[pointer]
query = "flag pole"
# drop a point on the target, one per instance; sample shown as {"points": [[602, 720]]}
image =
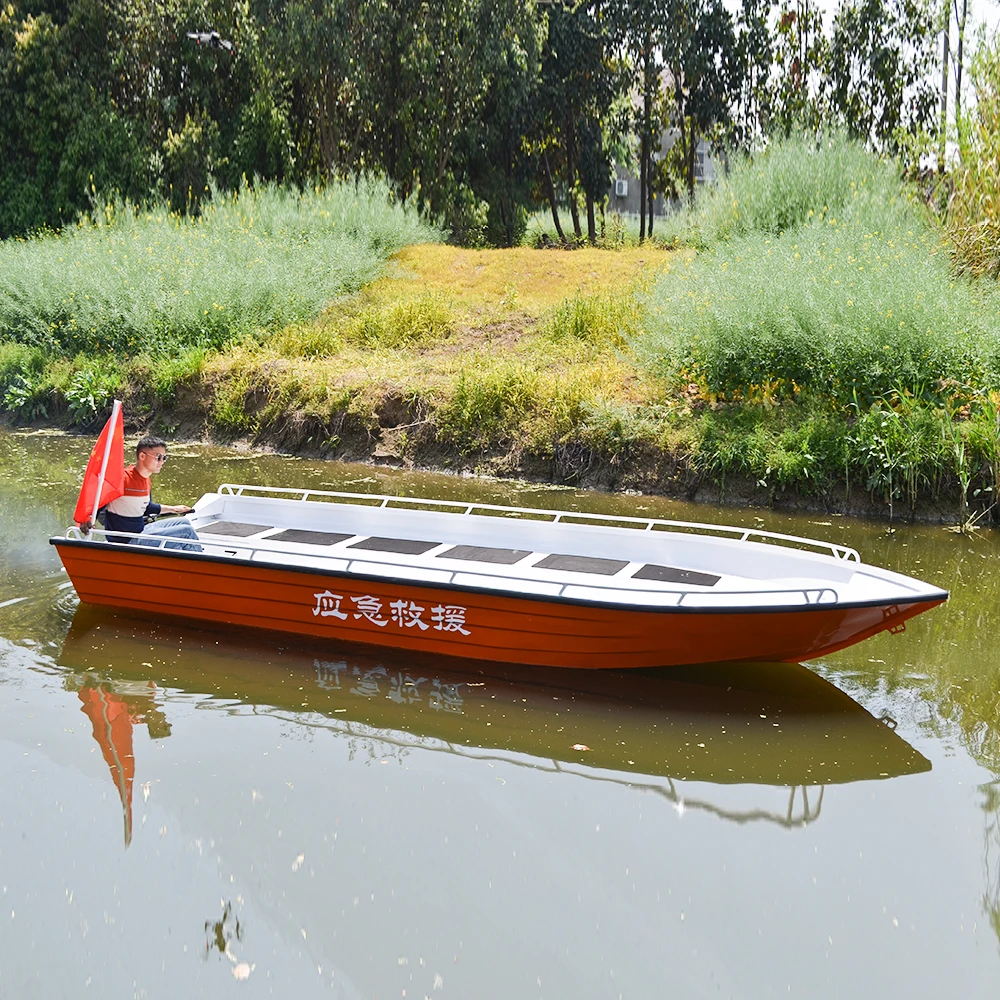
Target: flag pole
{"points": [[104, 464]]}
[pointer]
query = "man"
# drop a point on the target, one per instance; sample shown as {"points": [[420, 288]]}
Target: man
{"points": [[129, 511]]}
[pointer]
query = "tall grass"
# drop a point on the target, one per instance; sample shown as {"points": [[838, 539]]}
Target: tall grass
{"points": [[605, 319], [843, 287], [488, 403], [974, 207], [134, 280], [789, 184]]}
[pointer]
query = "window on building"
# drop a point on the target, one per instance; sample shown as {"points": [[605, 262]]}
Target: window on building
{"points": [[699, 164]]}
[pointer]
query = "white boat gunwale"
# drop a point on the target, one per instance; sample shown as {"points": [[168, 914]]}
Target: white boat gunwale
{"points": [[157, 546]]}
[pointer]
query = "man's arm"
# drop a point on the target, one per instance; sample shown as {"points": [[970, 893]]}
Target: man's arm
{"points": [[166, 508]]}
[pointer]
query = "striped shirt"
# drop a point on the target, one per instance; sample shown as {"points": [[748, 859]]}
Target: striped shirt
{"points": [[126, 513]]}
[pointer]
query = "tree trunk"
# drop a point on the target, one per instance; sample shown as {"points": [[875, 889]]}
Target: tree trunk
{"points": [[651, 197], [574, 208], [692, 153], [591, 220], [646, 151], [326, 146], [550, 189], [642, 187], [687, 143]]}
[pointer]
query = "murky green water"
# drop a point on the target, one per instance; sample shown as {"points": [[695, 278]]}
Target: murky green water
{"points": [[194, 813]]}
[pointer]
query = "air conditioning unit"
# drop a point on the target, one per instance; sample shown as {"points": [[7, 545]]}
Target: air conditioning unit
{"points": [[621, 187]]}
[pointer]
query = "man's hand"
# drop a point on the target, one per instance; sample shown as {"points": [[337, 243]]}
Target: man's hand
{"points": [[85, 526], [175, 509]]}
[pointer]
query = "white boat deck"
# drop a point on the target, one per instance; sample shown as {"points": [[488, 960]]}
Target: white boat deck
{"points": [[634, 561]]}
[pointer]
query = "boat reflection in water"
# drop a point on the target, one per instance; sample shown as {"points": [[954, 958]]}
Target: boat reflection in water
{"points": [[113, 710], [688, 734]]}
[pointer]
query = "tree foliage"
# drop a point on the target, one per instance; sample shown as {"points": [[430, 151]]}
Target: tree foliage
{"points": [[479, 111], [881, 59]]}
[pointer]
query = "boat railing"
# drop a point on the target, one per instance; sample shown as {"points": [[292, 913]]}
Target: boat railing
{"points": [[842, 552], [429, 576]]}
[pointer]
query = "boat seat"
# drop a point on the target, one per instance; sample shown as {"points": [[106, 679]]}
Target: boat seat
{"points": [[485, 553], [670, 574], [303, 536], [582, 564], [236, 529], [403, 546]]}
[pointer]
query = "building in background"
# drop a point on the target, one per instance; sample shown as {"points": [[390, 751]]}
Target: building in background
{"points": [[623, 196]]}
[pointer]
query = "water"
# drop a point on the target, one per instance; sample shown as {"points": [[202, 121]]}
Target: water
{"points": [[193, 813]]}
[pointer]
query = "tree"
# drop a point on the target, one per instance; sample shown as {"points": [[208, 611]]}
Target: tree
{"points": [[579, 83], [495, 157], [800, 57], [954, 60], [62, 137], [327, 58], [638, 30], [752, 109], [699, 51], [880, 62]]}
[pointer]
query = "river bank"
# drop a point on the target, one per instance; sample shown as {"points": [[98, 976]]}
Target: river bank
{"points": [[804, 343], [515, 364], [522, 364], [263, 407]]}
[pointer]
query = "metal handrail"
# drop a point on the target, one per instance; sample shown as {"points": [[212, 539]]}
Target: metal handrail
{"points": [[813, 595], [841, 552]]}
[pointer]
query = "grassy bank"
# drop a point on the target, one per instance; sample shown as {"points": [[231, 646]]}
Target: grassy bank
{"points": [[806, 341], [824, 327], [133, 281]]}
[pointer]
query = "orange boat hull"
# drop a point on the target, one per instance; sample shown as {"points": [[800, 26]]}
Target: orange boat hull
{"points": [[459, 622]]}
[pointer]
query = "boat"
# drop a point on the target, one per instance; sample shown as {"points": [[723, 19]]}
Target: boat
{"points": [[487, 582]]}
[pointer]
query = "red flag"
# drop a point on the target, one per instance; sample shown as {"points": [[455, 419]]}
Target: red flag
{"points": [[105, 470]]}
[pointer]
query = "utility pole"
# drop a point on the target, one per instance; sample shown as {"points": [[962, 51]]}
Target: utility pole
{"points": [[961, 14], [945, 53]]}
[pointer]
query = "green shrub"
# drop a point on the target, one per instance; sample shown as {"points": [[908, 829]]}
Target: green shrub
{"points": [[169, 372], [89, 391], [421, 320], [26, 395], [488, 404], [229, 405], [897, 444], [792, 182], [854, 304], [139, 281], [16, 358], [601, 320], [796, 446]]}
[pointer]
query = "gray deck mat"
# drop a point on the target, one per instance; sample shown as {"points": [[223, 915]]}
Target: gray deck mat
{"points": [[582, 564], [404, 546], [306, 537], [486, 554], [235, 528], [670, 574]]}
